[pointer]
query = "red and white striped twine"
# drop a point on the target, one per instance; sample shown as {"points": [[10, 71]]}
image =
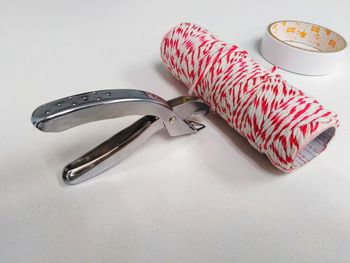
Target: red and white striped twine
{"points": [[279, 120]]}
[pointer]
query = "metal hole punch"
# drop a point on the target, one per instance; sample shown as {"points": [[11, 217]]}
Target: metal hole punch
{"points": [[66, 113]]}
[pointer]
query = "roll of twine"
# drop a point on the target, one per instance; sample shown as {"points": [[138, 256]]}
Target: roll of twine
{"points": [[276, 118]]}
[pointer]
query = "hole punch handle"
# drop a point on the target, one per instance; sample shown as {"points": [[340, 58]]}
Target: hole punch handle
{"points": [[111, 151], [69, 112]]}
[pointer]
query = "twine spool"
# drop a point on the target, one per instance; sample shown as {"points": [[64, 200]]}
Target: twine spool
{"points": [[276, 118]]}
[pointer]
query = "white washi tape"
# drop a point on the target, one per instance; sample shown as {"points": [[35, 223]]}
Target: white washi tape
{"points": [[303, 47]]}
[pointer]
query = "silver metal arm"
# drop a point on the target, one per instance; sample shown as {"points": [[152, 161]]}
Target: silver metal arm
{"points": [[72, 111], [112, 151], [66, 113]]}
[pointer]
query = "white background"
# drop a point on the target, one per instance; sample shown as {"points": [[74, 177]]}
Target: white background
{"points": [[208, 197]]}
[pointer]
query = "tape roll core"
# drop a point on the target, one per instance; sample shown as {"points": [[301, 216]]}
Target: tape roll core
{"points": [[303, 47]]}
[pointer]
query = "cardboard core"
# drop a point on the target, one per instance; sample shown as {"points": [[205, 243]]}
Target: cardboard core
{"points": [[307, 36], [314, 148]]}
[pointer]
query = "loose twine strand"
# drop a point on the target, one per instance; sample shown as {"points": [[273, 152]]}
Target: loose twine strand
{"points": [[279, 120]]}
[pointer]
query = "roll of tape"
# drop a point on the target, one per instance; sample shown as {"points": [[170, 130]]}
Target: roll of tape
{"points": [[303, 47]]}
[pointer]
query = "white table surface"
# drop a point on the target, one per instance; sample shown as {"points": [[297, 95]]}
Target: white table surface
{"points": [[209, 197]]}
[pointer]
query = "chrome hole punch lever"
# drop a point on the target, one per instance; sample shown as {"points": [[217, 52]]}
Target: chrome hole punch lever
{"points": [[66, 113]]}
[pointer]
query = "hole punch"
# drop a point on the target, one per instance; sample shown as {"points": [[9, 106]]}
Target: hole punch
{"points": [[118, 103]]}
